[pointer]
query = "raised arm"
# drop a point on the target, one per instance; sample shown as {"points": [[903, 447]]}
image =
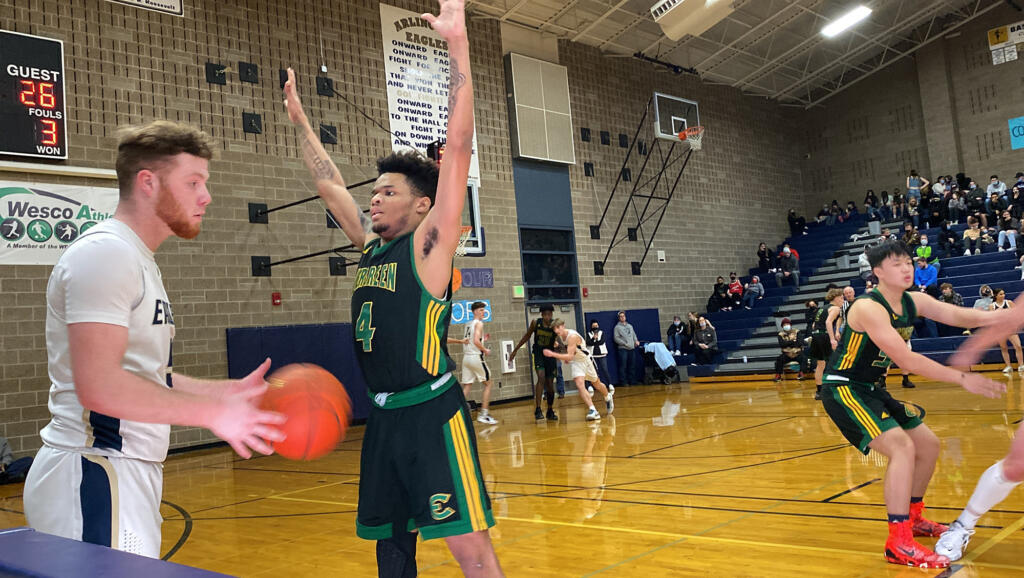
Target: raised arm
{"points": [[526, 337], [438, 235], [1009, 324], [874, 320], [928, 306], [329, 184]]}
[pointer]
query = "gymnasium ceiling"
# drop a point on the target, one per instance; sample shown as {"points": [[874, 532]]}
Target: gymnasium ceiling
{"points": [[770, 48]]}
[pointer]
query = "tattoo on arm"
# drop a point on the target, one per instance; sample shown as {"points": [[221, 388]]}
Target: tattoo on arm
{"points": [[455, 82], [319, 166], [430, 240]]}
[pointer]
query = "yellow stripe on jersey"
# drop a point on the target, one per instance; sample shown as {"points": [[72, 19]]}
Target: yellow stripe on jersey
{"points": [[431, 358], [860, 414], [468, 472], [852, 349]]}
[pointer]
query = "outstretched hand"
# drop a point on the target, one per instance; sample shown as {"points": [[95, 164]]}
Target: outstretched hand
{"points": [[240, 422], [549, 353], [451, 20], [981, 385], [291, 100]]}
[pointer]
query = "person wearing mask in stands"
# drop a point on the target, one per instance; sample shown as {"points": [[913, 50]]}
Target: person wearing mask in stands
{"points": [[791, 351], [706, 342], [735, 291], [925, 250], [720, 300], [797, 225], [911, 238], [1008, 227], [789, 268], [765, 258], [957, 208], [752, 292], [674, 335], [599, 351]]}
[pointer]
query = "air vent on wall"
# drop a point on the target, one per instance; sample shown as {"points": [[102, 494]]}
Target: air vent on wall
{"points": [[539, 113], [678, 18]]}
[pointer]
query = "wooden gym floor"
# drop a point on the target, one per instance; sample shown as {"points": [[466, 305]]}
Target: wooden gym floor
{"points": [[723, 479]]}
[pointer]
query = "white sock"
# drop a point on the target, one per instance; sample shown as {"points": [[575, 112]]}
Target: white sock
{"points": [[992, 488], [592, 408]]}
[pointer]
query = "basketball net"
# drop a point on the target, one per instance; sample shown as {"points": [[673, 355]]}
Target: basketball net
{"points": [[694, 136], [460, 251]]}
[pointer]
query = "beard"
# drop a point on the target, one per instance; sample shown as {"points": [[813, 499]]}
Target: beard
{"points": [[173, 214], [380, 229]]}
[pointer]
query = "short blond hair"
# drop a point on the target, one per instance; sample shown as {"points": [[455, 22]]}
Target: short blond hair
{"points": [[150, 145], [833, 293], [557, 323]]}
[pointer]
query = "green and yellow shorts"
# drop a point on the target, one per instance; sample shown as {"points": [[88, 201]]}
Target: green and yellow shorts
{"points": [[419, 468], [863, 412]]}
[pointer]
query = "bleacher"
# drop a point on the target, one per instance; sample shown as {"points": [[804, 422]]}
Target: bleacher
{"points": [[748, 339]]}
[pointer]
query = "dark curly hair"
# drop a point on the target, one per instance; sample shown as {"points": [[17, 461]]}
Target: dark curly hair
{"points": [[420, 171]]}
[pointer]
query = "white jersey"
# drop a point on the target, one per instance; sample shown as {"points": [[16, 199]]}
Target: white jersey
{"points": [[107, 276], [582, 353], [470, 348]]}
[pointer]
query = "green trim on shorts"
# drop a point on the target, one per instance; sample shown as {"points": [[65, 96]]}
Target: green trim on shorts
{"points": [[415, 396], [374, 532]]}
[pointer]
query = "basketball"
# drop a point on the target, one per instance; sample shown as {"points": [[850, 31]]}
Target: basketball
{"points": [[317, 407]]}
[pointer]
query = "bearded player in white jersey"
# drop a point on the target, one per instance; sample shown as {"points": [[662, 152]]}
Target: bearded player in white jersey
{"points": [[581, 367], [99, 476]]}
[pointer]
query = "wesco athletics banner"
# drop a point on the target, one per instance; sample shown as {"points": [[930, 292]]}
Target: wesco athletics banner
{"points": [[416, 69], [37, 222]]}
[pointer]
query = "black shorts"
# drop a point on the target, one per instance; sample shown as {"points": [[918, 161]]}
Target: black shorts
{"points": [[419, 470], [541, 362], [821, 347], [863, 412]]}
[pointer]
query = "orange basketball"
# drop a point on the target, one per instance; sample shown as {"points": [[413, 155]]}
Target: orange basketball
{"points": [[317, 407], [456, 279]]}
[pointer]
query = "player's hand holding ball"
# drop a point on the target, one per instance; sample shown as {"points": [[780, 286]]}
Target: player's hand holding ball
{"points": [[317, 409], [237, 419]]}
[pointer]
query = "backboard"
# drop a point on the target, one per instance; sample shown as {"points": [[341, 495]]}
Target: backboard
{"points": [[673, 115]]}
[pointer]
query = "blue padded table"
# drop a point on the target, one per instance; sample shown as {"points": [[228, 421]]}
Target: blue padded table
{"points": [[25, 552]]}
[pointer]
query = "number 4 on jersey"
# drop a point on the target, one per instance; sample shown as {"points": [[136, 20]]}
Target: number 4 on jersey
{"points": [[365, 328]]}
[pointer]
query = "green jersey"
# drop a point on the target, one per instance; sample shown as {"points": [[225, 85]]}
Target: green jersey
{"points": [[400, 329], [820, 317], [857, 358], [543, 336]]}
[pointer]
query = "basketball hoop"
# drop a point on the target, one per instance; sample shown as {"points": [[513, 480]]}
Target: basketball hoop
{"points": [[464, 233], [694, 136]]}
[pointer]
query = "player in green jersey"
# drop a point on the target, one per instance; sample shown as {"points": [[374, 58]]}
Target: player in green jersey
{"points": [[878, 324], [419, 469]]}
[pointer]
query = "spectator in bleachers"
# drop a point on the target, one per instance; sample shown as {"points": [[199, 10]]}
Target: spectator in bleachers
{"points": [[939, 187], [825, 216], [914, 185], [765, 258], [948, 241], [936, 211], [911, 238], [999, 302], [984, 298], [972, 237], [871, 206], [1019, 180], [789, 268], [691, 328], [994, 208], [735, 291], [864, 267], [926, 277], [835, 213], [957, 209], [851, 209], [976, 200], [752, 292], [796, 255], [626, 342], [951, 185], [676, 331], [913, 212], [886, 235], [706, 342], [599, 351], [899, 203], [885, 205], [719, 300], [950, 296], [1008, 227], [996, 186], [925, 251], [1017, 202], [789, 342], [797, 225]]}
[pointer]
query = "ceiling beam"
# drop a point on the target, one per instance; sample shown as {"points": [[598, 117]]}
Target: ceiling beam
{"points": [[600, 19]]}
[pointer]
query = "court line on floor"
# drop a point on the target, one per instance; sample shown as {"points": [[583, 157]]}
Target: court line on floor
{"points": [[712, 436], [688, 457], [851, 490], [185, 532]]}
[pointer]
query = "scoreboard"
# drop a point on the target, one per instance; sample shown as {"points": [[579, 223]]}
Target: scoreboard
{"points": [[32, 111]]}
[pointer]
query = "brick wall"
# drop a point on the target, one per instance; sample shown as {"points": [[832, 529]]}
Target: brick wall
{"points": [[126, 65]]}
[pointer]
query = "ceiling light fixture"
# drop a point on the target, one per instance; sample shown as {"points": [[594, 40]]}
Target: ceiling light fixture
{"points": [[846, 21]]}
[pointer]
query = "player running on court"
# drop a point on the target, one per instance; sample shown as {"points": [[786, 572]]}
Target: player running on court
{"points": [[581, 367], [1002, 477], [546, 367], [474, 366], [874, 337], [823, 335], [419, 465]]}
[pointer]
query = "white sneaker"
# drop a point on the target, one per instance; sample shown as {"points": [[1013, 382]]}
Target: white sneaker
{"points": [[592, 415], [611, 389], [1020, 369], [967, 253], [486, 418], [953, 541], [1007, 370], [977, 251], [678, 353], [590, 389], [1001, 249], [610, 398]]}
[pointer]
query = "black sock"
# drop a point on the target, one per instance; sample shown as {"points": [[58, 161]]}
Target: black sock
{"points": [[396, 556], [914, 500], [897, 518], [906, 378]]}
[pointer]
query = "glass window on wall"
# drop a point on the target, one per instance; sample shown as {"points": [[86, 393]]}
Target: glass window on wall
{"points": [[549, 269], [546, 240]]}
